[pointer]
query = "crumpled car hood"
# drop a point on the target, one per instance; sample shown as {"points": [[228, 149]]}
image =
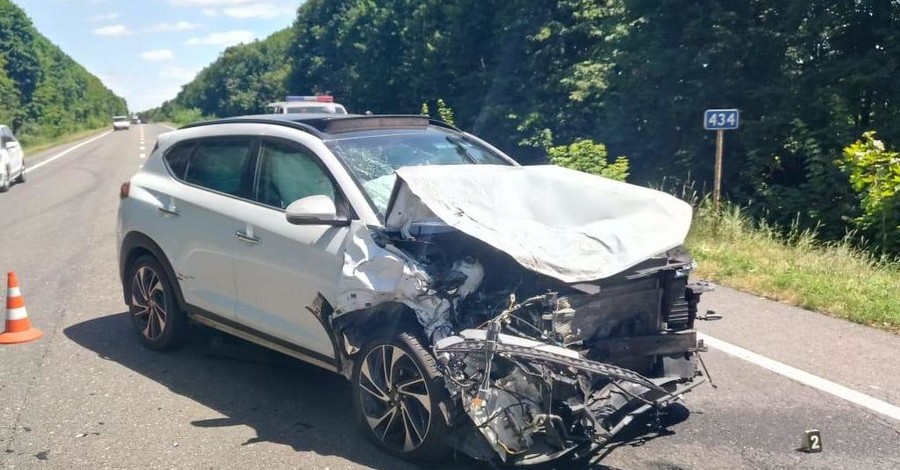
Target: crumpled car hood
{"points": [[562, 223]]}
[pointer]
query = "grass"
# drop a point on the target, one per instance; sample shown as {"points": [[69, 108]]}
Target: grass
{"points": [[833, 278], [37, 144]]}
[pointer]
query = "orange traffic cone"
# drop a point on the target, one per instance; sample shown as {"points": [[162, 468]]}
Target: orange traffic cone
{"points": [[18, 327]]}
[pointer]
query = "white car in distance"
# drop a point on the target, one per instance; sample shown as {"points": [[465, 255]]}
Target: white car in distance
{"points": [[121, 123], [314, 104], [12, 159]]}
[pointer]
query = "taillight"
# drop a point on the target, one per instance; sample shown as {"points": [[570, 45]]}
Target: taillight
{"points": [[123, 190]]}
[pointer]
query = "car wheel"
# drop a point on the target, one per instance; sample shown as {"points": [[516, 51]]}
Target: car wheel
{"points": [[4, 181], [21, 178], [396, 392], [152, 306]]}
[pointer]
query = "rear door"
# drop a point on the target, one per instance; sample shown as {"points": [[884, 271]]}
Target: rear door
{"points": [[281, 269], [200, 219]]}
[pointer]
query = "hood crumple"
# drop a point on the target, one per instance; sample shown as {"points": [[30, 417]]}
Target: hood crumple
{"points": [[562, 223]]}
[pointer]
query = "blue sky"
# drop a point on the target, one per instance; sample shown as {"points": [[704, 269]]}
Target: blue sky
{"points": [[145, 50]]}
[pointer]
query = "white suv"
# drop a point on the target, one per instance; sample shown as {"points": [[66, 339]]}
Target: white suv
{"points": [[516, 314], [12, 159]]}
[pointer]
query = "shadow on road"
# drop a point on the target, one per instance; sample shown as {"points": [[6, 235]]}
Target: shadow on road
{"points": [[284, 400]]}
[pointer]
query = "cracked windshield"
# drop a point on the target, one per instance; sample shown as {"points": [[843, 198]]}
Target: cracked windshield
{"points": [[449, 234]]}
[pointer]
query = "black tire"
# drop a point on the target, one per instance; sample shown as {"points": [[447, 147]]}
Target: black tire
{"points": [[154, 312], [4, 186], [21, 178], [378, 407]]}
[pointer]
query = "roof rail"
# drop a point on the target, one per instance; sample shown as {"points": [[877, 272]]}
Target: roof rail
{"points": [[258, 120]]}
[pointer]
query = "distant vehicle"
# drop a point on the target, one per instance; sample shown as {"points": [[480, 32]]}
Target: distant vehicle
{"points": [[12, 160], [135, 119], [121, 122], [318, 104]]}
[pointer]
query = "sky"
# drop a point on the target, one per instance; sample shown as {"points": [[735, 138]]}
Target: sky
{"points": [[145, 50]]}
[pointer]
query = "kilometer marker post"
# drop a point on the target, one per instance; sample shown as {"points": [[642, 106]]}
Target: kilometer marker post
{"points": [[720, 120]]}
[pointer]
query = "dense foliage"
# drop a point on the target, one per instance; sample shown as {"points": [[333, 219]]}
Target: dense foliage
{"points": [[241, 81], [43, 92], [809, 77], [875, 173]]}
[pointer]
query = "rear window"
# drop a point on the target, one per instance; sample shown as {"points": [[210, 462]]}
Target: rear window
{"points": [[219, 165]]}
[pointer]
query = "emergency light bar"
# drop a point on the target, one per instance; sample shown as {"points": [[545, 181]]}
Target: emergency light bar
{"points": [[319, 98]]}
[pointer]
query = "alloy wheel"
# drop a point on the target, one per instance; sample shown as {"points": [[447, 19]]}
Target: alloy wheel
{"points": [[394, 398], [148, 302]]}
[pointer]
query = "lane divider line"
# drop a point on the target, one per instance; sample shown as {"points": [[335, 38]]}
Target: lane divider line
{"points": [[805, 378], [64, 152]]}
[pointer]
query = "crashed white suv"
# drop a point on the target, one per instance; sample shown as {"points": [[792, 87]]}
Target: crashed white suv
{"points": [[515, 314]]}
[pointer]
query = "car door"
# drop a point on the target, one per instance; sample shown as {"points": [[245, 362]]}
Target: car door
{"points": [[281, 269], [200, 221]]}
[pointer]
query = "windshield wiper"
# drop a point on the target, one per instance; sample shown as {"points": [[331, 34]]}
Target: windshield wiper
{"points": [[462, 150]]}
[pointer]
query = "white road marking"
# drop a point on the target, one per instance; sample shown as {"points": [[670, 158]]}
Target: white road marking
{"points": [[805, 378], [64, 152], [142, 148], [142, 155]]}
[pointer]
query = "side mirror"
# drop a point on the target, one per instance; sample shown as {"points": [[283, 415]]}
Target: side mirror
{"points": [[313, 210]]}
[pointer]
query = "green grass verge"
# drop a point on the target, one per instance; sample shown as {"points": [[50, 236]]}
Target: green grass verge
{"points": [[35, 145], [833, 278]]}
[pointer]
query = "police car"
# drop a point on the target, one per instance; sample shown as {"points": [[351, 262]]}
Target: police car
{"points": [[317, 104]]}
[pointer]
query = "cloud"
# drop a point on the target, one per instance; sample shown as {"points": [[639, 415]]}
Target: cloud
{"points": [[209, 3], [209, 12], [177, 26], [228, 38], [103, 17], [112, 30], [260, 10], [157, 55], [177, 73]]}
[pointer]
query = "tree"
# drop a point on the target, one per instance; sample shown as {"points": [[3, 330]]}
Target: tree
{"points": [[874, 172]]}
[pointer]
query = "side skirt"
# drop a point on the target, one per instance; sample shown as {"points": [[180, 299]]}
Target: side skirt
{"points": [[235, 329]]}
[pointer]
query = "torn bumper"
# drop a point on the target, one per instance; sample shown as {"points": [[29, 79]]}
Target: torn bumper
{"points": [[533, 402]]}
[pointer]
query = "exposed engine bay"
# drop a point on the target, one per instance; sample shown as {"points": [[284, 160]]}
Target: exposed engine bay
{"points": [[555, 317], [543, 368]]}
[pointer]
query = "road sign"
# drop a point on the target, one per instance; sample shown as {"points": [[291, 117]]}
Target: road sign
{"points": [[721, 119]]}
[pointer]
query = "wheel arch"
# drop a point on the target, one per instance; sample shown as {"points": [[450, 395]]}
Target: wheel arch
{"points": [[136, 244]]}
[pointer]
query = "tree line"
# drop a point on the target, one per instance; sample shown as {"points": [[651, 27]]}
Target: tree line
{"points": [[43, 92], [809, 76]]}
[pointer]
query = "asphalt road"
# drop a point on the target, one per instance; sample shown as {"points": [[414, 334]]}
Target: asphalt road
{"points": [[88, 396]]}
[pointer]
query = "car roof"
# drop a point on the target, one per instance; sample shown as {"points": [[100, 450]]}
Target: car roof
{"points": [[324, 125]]}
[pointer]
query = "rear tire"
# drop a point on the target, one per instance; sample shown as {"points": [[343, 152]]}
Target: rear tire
{"points": [[21, 178], [154, 312], [396, 392]]}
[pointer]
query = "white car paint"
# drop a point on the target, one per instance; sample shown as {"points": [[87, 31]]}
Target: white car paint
{"points": [[12, 158]]}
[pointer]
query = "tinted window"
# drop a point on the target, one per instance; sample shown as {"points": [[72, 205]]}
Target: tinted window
{"points": [[288, 173], [177, 159], [219, 165]]}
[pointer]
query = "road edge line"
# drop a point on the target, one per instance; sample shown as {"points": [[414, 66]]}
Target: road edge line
{"points": [[64, 152], [805, 378]]}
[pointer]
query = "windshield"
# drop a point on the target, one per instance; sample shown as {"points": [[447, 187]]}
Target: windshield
{"points": [[310, 109], [120, 118], [374, 156]]}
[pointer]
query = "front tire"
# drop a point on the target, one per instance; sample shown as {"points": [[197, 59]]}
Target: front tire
{"points": [[4, 180], [396, 392], [154, 312], [21, 178]]}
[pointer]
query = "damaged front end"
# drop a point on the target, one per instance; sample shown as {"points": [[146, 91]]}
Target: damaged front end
{"points": [[539, 361]]}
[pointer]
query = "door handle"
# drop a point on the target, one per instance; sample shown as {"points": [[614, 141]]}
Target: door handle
{"points": [[168, 210], [246, 238]]}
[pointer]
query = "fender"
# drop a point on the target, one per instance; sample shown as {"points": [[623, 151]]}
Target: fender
{"points": [[136, 244]]}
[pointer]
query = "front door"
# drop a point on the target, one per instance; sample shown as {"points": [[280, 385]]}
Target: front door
{"points": [[282, 269]]}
